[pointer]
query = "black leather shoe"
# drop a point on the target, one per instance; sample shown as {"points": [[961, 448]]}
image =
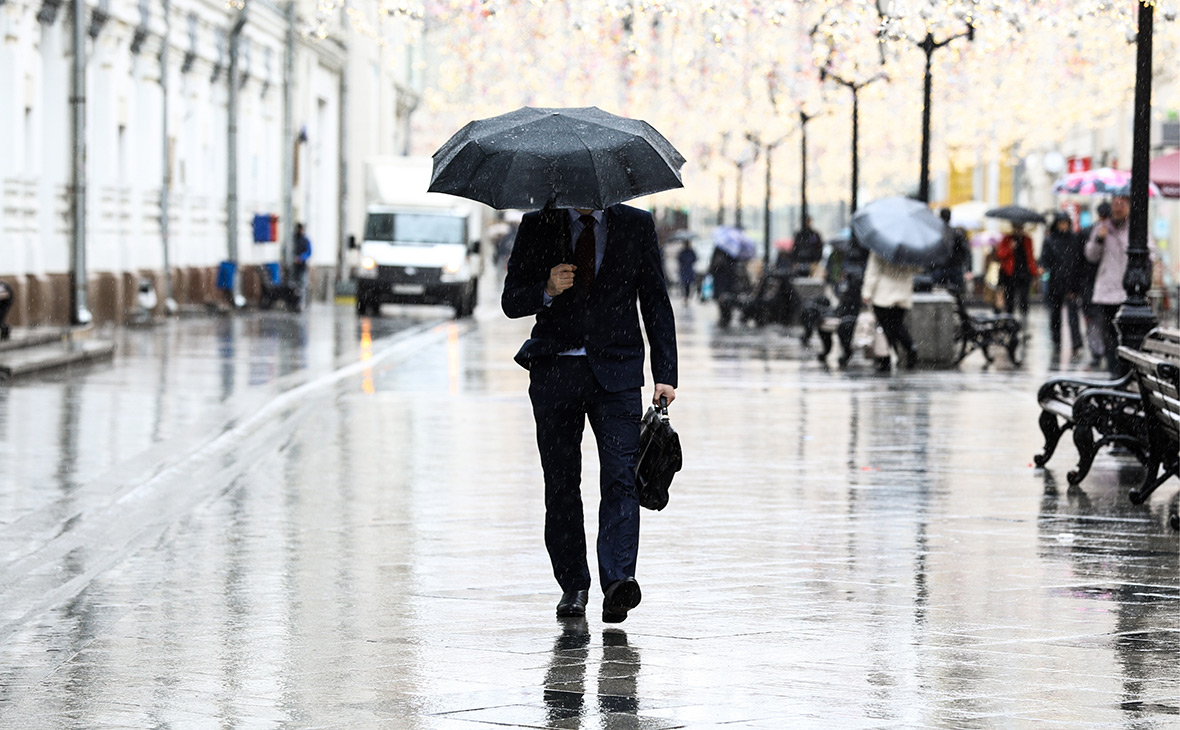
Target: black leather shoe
{"points": [[621, 596], [572, 603]]}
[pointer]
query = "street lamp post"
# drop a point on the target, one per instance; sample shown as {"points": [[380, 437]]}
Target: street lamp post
{"points": [[79, 304], [929, 46], [740, 166], [804, 118], [766, 212], [748, 155], [855, 87], [737, 193], [231, 139], [721, 200], [1135, 317], [768, 149]]}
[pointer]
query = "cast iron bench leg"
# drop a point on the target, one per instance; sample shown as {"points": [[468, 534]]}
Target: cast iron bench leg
{"points": [[1083, 439], [1053, 434], [1152, 476]]}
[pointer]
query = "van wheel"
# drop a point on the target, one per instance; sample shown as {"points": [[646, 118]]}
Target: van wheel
{"points": [[464, 303]]}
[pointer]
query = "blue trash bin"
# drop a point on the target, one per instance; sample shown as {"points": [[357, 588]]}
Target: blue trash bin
{"points": [[263, 228], [225, 275], [273, 272]]}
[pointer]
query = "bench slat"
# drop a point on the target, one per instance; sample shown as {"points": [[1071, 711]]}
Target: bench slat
{"points": [[1166, 350], [1141, 360], [1170, 423], [1165, 403], [1165, 388]]}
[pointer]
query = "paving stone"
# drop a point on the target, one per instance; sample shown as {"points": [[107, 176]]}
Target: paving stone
{"points": [[224, 530]]}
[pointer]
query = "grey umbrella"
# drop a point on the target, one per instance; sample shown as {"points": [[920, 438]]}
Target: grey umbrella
{"points": [[568, 158], [902, 231], [1016, 214]]}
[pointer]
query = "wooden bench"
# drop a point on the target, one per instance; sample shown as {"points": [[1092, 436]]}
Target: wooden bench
{"points": [[1156, 368]]}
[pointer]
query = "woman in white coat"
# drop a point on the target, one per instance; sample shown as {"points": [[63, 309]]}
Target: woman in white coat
{"points": [[890, 289]]}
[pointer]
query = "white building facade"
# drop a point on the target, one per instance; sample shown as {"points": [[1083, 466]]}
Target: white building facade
{"points": [[152, 126]]}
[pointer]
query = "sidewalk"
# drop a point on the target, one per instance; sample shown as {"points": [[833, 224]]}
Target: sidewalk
{"points": [[842, 550]]}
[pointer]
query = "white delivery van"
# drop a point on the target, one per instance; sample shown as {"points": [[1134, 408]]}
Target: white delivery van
{"points": [[418, 247]]}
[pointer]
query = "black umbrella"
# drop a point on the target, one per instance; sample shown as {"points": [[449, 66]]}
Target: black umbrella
{"points": [[567, 158], [1016, 214], [902, 231]]}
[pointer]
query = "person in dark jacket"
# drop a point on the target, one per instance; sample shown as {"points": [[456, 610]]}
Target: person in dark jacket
{"points": [[949, 273], [808, 250], [729, 281], [687, 262], [1061, 258], [299, 265], [588, 277]]}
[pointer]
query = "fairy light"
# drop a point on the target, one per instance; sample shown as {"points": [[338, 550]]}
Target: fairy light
{"points": [[693, 68]]}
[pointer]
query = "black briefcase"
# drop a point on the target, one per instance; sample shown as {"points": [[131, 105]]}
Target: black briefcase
{"points": [[659, 457]]}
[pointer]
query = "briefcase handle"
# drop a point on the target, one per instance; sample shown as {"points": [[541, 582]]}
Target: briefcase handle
{"points": [[664, 407]]}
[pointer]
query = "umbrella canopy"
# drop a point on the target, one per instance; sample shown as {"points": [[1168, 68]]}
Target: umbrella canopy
{"points": [[1092, 182], [734, 242], [1165, 172], [1016, 214], [1103, 181], [902, 231], [568, 158], [1125, 190]]}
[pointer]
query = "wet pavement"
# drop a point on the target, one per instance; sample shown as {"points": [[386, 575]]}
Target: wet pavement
{"points": [[320, 521]]}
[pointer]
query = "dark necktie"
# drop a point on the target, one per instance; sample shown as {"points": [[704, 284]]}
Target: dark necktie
{"points": [[584, 254]]}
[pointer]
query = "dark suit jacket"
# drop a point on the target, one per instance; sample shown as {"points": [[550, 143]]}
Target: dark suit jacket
{"points": [[631, 272]]}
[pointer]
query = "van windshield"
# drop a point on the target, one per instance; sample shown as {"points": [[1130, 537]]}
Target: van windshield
{"points": [[415, 228]]}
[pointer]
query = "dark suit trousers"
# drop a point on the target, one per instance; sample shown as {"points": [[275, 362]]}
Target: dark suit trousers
{"points": [[565, 394]]}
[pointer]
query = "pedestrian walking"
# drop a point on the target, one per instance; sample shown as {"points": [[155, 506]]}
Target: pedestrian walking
{"points": [[808, 250], [1018, 267], [687, 260], [299, 267], [585, 361], [729, 280], [1062, 257], [500, 234], [1095, 337], [949, 273], [1107, 247], [889, 288]]}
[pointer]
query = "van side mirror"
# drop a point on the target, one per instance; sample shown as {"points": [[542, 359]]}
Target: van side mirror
{"points": [[352, 242], [474, 247]]}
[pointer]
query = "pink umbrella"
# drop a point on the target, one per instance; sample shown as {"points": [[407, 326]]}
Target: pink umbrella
{"points": [[1103, 181]]}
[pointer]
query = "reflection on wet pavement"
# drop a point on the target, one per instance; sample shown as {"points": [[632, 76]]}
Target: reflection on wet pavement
{"points": [[842, 550]]}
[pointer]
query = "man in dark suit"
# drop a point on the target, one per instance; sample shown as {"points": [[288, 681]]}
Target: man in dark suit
{"points": [[581, 273]]}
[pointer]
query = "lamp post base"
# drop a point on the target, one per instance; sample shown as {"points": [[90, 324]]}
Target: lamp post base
{"points": [[1133, 321]]}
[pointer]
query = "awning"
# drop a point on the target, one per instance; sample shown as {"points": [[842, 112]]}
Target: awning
{"points": [[1165, 173]]}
